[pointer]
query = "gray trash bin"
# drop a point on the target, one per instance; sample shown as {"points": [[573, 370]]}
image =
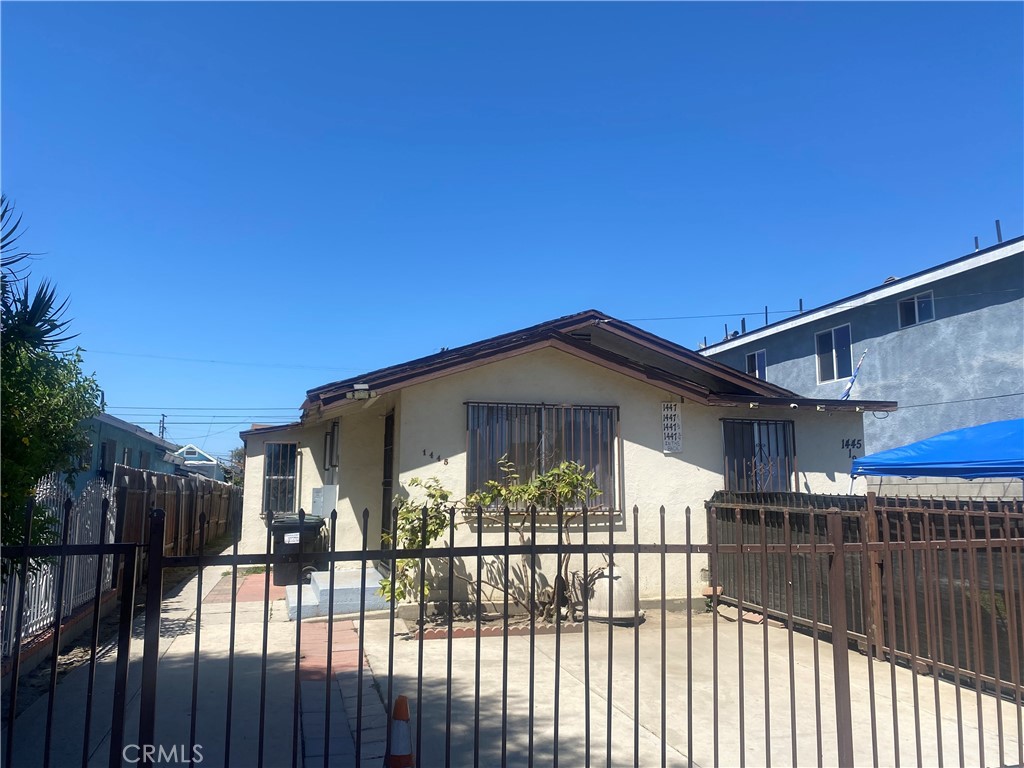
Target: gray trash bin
{"points": [[311, 540]]}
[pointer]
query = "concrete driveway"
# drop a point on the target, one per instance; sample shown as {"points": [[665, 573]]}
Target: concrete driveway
{"points": [[682, 712]]}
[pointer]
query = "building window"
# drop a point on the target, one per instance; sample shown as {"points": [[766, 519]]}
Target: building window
{"points": [[144, 459], [916, 309], [85, 457], [191, 453], [279, 465], [759, 455], [835, 354], [108, 452], [536, 438], [757, 364], [126, 457]]}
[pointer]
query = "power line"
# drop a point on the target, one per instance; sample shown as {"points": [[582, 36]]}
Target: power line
{"points": [[193, 408], [285, 366], [965, 400], [205, 423], [206, 417]]}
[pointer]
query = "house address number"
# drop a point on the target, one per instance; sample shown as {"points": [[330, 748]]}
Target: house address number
{"points": [[851, 444], [672, 427]]}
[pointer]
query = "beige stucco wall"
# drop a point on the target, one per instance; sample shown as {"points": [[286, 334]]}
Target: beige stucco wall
{"points": [[310, 457], [430, 418], [433, 420]]}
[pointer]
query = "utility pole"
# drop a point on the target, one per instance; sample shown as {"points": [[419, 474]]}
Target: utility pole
{"points": [[163, 425]]}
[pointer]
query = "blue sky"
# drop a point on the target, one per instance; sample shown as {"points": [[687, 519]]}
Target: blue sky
{"points": [[245, 201]]}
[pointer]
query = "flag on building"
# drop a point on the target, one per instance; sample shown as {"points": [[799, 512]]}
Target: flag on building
{"points": [[849, 385]]}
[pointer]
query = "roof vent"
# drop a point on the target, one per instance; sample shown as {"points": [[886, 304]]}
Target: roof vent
{"points": [[889, 279]]}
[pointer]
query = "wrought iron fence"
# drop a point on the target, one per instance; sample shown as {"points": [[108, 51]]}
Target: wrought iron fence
{"points": [[635, 673], [89, 523], [934, 559]]}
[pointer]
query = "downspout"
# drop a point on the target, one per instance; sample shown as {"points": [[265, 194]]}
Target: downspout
{"points": [[298, 477]]}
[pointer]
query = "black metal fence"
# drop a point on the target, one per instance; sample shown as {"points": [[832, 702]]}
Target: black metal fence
{"points": [[963, 554], [628, 670]]}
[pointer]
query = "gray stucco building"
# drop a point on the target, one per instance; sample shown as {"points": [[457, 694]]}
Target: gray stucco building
{"points": [[947, 343]]}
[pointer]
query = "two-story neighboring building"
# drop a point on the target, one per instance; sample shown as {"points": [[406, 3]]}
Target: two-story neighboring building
{"points": [[946, 342]]}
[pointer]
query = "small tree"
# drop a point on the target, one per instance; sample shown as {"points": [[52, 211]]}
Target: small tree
{"points": [[236, 466], [44, 395], [568, 483]]}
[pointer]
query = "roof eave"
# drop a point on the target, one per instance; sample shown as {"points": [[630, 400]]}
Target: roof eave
{"points": [[809, 403]]}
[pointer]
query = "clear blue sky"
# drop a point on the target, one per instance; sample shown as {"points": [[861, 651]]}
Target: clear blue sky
{"points": [[305, 192]]}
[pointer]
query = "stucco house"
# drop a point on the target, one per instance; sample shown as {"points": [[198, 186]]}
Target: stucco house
{"points": [[657, 423], [947, 342]]}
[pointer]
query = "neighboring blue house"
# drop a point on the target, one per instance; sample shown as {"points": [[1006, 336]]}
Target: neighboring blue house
{"points": [[115, 441], [947, 343], [198, 461]]}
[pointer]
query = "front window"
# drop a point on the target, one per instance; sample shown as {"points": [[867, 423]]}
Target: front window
{"points": [[536, 438], [759, 455], [916, 309], [835, 354], [757, 364], [279, 465]]}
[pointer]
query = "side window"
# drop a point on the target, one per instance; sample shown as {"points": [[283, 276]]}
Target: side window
{"points": [[108, 454], [757, 364], [279, 465], [759, 455], [834, 350], [916, 309]]}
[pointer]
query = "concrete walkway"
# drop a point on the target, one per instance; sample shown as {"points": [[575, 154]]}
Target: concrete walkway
{"points": [[281, 744]]}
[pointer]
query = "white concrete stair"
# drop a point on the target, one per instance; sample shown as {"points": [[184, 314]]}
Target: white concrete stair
{"points": [[316, 594]]}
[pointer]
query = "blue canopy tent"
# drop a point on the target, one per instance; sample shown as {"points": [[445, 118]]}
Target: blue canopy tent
{"points": [[987, 450]]}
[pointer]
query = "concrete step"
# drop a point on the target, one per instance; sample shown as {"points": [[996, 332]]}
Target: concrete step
{"points": [[310, 602], [316, 594]]}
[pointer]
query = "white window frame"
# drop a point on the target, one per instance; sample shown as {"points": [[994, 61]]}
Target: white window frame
{"points": [[915, 300], [835, 367], [760, 364]]}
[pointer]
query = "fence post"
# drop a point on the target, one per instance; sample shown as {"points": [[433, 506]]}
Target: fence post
{"points": [[840, 638], [874, 620], [120, 509], [151, 643]]}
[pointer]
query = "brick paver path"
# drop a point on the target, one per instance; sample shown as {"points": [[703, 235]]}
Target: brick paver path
{"points": [[342, 693]]}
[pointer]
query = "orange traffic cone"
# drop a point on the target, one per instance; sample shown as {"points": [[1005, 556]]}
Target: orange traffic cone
{"points": [[400, 754]]}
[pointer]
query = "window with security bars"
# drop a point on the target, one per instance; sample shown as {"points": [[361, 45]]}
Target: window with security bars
{"points": [[536, 438], [759, 455], [279, 473]]}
